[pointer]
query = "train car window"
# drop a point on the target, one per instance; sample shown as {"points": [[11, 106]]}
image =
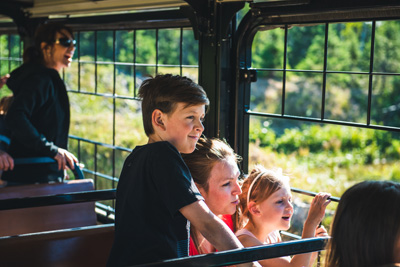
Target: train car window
{"points": [[325, 105], [11, 48]]}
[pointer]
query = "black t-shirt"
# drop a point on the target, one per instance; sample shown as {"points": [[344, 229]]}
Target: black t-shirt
{"points": [[154, 184]]}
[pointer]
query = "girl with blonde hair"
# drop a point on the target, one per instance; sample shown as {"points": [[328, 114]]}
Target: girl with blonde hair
{"points": [[266, 204]]}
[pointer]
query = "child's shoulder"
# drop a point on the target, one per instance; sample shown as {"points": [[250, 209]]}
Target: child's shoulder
{"points": [[159, 147], [152, 156], [157, 150], [273, 237]]}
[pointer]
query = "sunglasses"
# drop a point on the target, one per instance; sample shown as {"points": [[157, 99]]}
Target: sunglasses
{"points": [[66, 42]]}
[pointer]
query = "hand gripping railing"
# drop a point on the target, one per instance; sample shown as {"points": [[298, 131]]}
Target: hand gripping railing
{"points": [[37, 160], [250, 254], [312, 194]]}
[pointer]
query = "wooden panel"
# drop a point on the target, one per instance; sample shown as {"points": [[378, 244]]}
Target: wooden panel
{"points": [[38, 219], [88, 246]]}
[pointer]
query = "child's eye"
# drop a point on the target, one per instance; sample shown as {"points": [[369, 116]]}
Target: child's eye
{"points": [[202, 119], [279, 201], [190, 117], [226, 184]]}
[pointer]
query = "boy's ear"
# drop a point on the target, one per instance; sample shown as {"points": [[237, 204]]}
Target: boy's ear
{"points": [[157, 119], [253, 208]]}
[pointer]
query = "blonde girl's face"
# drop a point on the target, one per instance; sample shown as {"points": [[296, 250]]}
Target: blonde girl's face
{"points": [[277, 210], [223, 192]]}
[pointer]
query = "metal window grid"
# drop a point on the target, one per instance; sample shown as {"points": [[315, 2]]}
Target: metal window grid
{"points": [[11, 55], [245, 63]]}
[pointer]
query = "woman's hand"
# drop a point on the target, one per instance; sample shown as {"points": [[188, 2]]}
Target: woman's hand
{"points": [[63, 157], [6, 161]]}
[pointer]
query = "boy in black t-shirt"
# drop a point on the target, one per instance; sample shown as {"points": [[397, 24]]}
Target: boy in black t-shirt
{"points": [[156, 195]]}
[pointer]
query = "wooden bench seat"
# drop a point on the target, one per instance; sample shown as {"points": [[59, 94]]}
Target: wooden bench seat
{"points": [[84, 246], [46, 218]]}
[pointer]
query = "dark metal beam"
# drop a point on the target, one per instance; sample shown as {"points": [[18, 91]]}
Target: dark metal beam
{"points": [[216, 27], [326, 11], [15, 10], [60, 199], [131, 20]]}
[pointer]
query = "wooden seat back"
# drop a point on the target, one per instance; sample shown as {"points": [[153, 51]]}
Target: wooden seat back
{"points": [[46, 218], [85, 246]]}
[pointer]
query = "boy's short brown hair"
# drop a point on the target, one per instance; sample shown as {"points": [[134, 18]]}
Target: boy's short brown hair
{"points": [[163, 92]]}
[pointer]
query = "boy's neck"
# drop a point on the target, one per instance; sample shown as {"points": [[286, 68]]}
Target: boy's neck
{"points": [[153, 138]]}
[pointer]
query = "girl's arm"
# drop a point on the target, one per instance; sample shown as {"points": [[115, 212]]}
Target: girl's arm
{"points": [[314, 218], [315, 214], [320, 232]]}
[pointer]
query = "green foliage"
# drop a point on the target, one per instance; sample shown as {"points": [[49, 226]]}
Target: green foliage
{"points": [[10, 47], [326, 158], [349, 50], [268, 48], [329, 139], [305, 47]]}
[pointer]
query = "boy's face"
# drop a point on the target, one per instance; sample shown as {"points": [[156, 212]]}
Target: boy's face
{"points": [[184, 126]]}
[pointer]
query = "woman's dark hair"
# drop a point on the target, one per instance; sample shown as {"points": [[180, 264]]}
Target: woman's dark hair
{"points": [[45, 33], [366, 226]]}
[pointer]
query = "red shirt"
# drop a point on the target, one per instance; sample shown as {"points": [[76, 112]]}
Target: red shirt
{"points": [[227, 219]]}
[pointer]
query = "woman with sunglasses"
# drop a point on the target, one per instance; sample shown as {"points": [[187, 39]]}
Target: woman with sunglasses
{"points": [[39, 116], [214, 168]]}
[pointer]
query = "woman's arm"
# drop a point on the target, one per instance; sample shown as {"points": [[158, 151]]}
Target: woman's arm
{"points": [[212, 227]]}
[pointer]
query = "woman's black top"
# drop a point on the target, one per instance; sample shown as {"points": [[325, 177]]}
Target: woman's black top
{"points": [[39, 120]]}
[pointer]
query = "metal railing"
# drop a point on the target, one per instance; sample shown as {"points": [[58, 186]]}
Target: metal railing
{"points": [[250, 254], [59, 199]]}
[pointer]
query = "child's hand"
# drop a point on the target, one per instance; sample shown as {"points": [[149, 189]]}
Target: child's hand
{"points": [[317, 209], [321, 232]]}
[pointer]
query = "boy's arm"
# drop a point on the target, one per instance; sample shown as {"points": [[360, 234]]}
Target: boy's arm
{"points": [[212, 227]]}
